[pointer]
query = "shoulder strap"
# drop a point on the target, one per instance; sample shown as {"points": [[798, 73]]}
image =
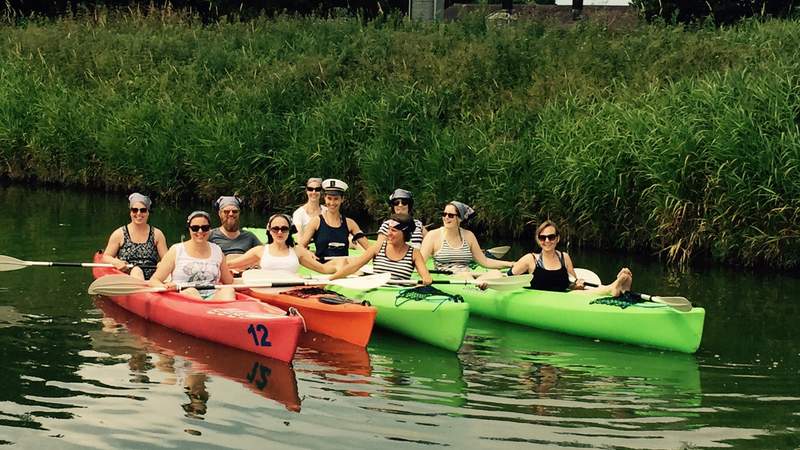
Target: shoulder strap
{"points": [[126, 235]]}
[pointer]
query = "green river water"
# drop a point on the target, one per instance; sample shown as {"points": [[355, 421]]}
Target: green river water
{"points": [[78, 372]]}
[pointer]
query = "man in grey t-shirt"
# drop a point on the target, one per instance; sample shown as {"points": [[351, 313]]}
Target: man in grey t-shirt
{"points": [[233, 240]]}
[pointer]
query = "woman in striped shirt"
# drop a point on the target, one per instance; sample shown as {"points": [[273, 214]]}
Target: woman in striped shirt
{"points": [[453, 248], [394, 255]]}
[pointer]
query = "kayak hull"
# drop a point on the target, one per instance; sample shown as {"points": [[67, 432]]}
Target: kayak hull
{"points": [[436, 320], [351, 322], [646, 324], [244, 323]]}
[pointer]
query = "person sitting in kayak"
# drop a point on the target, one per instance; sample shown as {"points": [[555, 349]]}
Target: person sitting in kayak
{"points": [[229, 236], [393, 256], [552, 269], [311, 208], [196, 261], [402, 202], [279, 254], [331, 230], [455, 248], [136, 243]]}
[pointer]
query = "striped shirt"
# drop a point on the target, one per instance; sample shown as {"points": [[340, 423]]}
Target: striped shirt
{"points": [[455, 259], [400, 269], [416, 235]]}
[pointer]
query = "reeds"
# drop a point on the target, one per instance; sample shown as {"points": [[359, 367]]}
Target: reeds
{"points": [[683, 143]]}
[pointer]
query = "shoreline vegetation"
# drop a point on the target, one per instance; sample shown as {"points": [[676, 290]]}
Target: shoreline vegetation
{"points": [[683, 141]]}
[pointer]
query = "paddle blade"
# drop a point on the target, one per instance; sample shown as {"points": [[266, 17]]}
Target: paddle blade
{"points": [[498, 252], [111, 285], [680, 303], [509, 283], [363, 283], [8, 263], [587, 276]]}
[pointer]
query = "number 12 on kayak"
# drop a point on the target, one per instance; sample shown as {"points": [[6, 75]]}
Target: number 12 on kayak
{"points": [[262, 331]]}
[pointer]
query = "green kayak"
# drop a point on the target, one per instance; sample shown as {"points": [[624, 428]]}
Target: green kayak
{"points": [[578, 313], [436, 320]]}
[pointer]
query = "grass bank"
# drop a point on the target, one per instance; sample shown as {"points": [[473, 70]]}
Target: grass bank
{"points": [[657, 138]]}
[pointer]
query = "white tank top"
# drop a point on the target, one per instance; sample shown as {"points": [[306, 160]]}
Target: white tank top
{"points": [[288, 264], [189, 270]]}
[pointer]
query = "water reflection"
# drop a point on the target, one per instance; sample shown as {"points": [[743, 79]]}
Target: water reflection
{"points": [[190, 361]]}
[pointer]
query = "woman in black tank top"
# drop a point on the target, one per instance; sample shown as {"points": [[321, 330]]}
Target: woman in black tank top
{"points": [[553, 270], [331, 230]]}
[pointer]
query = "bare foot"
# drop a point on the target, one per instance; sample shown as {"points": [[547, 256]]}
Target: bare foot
{"points": [[623, 282]]}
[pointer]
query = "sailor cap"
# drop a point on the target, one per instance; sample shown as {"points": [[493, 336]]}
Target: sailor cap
{"points": [[334, 186]]}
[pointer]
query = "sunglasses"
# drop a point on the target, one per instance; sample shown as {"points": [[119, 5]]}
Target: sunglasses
{"points": [[548, 237], [196, 228], [314, 189], [449, 215], [230, 212], [279, 229], [138, 210], [400, 201]]}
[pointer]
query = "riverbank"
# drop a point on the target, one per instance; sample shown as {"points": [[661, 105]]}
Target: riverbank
{"points": [[653, 138]]}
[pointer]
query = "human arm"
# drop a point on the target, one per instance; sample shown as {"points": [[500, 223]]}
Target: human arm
{"points": [[422, 269], [353, 265], [225, 275], [579, 282], [308, 232], [250, 257], [165, 268], [480, 257], [523, 265], [112, 250], [161, 243], [429, 245], [358, 235], [310, 261]]}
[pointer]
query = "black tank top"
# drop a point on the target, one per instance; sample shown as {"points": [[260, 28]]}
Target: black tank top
{"points": [[139, 254], [331, 241], [550, 280]]}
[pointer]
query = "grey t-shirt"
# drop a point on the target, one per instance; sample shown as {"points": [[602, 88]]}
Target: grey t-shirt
{"points": [[244, 242]]}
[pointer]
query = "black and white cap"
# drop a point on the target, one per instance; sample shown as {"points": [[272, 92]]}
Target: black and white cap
{"points": [[332, 186]]}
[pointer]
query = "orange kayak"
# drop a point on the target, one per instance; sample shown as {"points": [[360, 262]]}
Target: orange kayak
{"points": [[244, 323], [325, 313]]}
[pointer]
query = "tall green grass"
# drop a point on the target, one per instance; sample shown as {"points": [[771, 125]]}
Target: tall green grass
{"points": [[683, 143]]}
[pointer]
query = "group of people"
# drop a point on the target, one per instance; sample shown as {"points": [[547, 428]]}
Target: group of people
{"points": [[403, 245]]}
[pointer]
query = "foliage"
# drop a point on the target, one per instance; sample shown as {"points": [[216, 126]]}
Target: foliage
{"points": [[658, 138]]}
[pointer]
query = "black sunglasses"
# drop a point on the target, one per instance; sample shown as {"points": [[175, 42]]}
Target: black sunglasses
{"points": [[313, 189], [138, 210], [196, 228], [449, 215], [548, 237], [400, 201], [279, 229]]}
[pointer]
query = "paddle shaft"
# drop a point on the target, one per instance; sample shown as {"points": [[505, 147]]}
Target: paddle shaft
{"points": [[76, 264]]}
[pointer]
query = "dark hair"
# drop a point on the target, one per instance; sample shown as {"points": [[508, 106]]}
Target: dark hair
{"points": [[292, 229], [406, 224]]}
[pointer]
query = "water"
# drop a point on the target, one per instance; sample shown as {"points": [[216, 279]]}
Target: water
{"points": [[79, 372]]}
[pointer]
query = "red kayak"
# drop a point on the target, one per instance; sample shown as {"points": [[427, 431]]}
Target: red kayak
{"points": [[244, 323], [265, 376], [325, 312]]}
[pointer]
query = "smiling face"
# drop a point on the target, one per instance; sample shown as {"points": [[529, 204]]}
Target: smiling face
{"points": [[450, 217], [548, 238], [395, 236], [139, 213], [229, 218], [199, 228], [333, 201], [314, 191]]}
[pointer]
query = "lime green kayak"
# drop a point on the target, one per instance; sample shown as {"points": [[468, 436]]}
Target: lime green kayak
{"points": [[646, 324], [436, 320]]}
